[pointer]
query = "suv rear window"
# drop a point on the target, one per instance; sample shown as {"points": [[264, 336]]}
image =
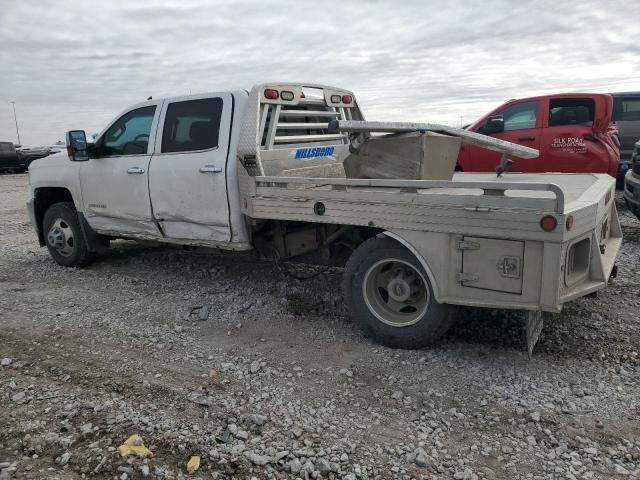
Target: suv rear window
{"points": [[571, 111], [626, 109], [192, 125]]}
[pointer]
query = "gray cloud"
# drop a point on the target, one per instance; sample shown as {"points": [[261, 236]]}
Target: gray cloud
{"points": [[75, 64]]}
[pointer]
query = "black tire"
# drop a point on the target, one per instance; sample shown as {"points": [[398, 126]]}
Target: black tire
{"points": [[426, 329], [70, 249]]}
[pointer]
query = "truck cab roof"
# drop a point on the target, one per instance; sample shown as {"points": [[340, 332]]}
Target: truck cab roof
{"points": [[559, 95]]}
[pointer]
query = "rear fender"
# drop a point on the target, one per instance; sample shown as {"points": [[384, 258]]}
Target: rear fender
{"points": [[427, 268]]}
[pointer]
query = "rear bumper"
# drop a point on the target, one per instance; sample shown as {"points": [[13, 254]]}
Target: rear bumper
{"points": [[632, 192], [623, 168], [598, 281], [601, 257]]}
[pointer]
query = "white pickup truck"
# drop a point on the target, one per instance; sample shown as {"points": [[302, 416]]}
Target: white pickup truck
{"points": [[281, 170]]}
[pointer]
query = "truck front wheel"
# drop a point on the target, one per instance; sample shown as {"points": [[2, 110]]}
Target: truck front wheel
{"points": [[391, 298], [64, 237]]}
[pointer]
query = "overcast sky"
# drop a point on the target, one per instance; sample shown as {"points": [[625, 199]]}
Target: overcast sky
{"points": [[76, 64]]}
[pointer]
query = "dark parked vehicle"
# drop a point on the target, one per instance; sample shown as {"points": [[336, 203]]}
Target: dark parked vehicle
{"points": [[33, 153], [632, 182], [626, 115], [10, 158]]}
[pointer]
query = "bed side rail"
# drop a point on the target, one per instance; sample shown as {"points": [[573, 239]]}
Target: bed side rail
{"points": [[497, 188]]}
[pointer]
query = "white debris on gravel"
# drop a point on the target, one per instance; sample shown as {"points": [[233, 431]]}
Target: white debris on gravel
{"points": [[102, 353]]}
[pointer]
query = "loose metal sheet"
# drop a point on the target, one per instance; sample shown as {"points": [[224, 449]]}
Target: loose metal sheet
{"points": [[467, 137]]}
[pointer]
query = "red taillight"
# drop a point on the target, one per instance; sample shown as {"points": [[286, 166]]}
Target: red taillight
{"points": [[347, 99], [548, 223], [569, 222], [271, 94]]}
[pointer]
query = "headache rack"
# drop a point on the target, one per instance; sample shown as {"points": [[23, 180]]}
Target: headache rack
{"points": [[286, 130], [307, 121]]}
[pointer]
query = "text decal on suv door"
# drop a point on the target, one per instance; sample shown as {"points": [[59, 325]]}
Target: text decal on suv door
{"points": [[305, 153], [569, 144]]}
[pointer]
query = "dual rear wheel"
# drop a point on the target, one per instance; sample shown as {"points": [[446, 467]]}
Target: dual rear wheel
{"points": [[391, 297]]}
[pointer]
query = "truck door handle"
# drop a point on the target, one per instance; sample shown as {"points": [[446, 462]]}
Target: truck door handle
{"points": [[210, 169], [137, 170], [526, 139]]}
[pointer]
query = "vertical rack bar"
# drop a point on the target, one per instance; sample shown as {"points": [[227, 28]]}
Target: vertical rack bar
{"points": [[273, 127]]}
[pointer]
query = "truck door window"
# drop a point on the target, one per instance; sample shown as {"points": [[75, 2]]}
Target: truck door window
{"points": [[520, 116], [627, 109], [571, 111], [129, 135], [192, 125]]}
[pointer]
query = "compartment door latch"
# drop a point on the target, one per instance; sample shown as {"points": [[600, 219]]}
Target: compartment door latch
{"points": [[462, 277], [467, 245], [509, 267]]}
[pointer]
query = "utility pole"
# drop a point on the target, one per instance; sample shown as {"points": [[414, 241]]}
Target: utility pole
{"points": [[16, 120]]}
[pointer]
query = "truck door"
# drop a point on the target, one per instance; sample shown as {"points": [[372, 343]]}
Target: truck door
{"points": [[574, 135], [187, 176], [521, 126], [626, 113], [114, 183]]}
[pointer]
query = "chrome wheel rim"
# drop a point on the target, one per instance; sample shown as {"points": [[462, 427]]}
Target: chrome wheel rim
{"points": [[60, 237], [396, 292]]}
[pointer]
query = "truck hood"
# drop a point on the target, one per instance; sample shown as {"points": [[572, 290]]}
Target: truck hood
{"points": [[55, 159]]}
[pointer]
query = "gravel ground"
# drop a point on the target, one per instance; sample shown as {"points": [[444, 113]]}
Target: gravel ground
{"points": [[278, 383]]}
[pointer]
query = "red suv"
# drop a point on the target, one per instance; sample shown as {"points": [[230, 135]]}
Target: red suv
{"points": [[573, 133]]}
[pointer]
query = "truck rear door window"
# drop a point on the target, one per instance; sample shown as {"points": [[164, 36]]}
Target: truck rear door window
{"points": [[571, 111], [192, 125], [627, 109]]}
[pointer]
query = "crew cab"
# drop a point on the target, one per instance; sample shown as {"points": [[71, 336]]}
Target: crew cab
{"points": [[293, 170], [573, 133]]}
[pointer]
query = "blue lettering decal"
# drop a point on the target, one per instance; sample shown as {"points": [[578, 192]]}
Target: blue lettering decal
{"points": [[303, 153]]}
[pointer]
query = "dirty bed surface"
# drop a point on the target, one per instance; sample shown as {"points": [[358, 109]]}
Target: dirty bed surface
{"points": [[264, 376]]}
